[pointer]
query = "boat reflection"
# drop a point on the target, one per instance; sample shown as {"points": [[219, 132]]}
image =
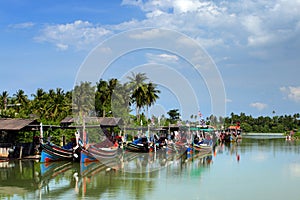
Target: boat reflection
{"points": [[132, 173]]}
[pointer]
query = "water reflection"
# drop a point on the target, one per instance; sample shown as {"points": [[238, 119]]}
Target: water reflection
{"points": [[267, 168], [134, 175]]}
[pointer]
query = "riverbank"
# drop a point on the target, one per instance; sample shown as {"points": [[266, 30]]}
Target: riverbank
{"points": [[262, 134]]}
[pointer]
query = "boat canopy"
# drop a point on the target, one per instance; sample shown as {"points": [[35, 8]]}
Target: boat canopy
{"points": [[201, 129]]}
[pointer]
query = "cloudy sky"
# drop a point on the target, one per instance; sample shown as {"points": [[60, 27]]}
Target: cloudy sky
{"points": [[254, 46]]}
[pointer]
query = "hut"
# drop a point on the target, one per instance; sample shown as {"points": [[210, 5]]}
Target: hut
{"points": [[9, 130]]}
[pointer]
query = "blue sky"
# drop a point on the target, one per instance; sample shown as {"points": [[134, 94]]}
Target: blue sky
{"points": [[254, 45]]}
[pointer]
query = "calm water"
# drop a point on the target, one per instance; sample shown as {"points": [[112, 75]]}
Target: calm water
{"points": [[255, 168]]}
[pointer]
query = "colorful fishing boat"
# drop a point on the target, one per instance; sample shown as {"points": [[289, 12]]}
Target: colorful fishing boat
{"points": [[191, 153], [94, 153], [51, 152], [86, 156], [204, 145], [138, 145]]}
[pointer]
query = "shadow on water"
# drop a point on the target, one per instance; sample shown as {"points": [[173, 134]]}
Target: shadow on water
{"points": [[130, 177]]}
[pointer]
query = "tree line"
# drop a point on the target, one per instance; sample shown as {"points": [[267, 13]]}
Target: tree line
{"points": [[261, 124], [103, 98], [113, 98]]}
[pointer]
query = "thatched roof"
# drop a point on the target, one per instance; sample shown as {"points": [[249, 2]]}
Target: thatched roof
{"points": [[7, 124]]}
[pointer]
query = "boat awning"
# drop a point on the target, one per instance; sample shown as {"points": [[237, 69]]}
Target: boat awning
{"points": [[201, 129]]}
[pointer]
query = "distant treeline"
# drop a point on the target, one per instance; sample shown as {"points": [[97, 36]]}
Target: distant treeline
{"points": [[265, 124]]}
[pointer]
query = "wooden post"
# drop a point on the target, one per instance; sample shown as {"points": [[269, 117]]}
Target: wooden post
{"points": [[41, 133], [21, 151], [64, 140]]}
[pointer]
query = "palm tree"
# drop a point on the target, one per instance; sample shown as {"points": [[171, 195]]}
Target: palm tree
{"points": [[174, 115], [139, 90], [39, 94], [137, 80], [83, 98], [140, 98], [120, 102], [5, 99], [192, 117], [38, 104], [20, 99], [151, 94], [58, 106], [112, 84]]}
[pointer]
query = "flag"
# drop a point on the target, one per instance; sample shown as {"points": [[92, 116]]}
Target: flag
{"points": [[200, 114]]}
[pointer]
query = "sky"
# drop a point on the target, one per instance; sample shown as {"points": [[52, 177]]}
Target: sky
{"points": [[245, 53]]}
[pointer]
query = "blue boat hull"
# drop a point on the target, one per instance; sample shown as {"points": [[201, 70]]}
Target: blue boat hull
{"points": [[51, 152]]}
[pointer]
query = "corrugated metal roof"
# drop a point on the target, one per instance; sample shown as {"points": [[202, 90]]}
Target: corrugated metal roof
{"points": [[14, 124]]}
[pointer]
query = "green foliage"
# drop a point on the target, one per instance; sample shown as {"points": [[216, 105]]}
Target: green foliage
{"points": [[261, 124], [106, 98], [174, 116]]}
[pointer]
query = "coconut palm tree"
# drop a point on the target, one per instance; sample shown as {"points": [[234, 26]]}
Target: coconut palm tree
{"points": [[58, 106], [4, 98], [20, 100], [137, 80], [83, 98], [21, 97], [151, 94], [138, 91], [139, 98], [38, 103], [120, 102]]}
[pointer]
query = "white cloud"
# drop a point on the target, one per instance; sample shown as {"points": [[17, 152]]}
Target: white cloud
{"points": [[22, 25], [292, 93], [214, 24], [258, 105], [79, 34], [161, 58], [168, 57], [257, 23], [62, 46], [149, 34]]}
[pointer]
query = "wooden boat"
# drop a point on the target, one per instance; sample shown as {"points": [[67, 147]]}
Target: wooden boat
{"points": [[86, 156], [233, 133], [94, 153], [177, 147], [202, 147], [138, 145], [191, 154], [99, 151], [51, 152]]}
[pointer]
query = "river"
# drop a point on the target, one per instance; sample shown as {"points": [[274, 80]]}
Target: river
{"points": [[255, 168]]}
